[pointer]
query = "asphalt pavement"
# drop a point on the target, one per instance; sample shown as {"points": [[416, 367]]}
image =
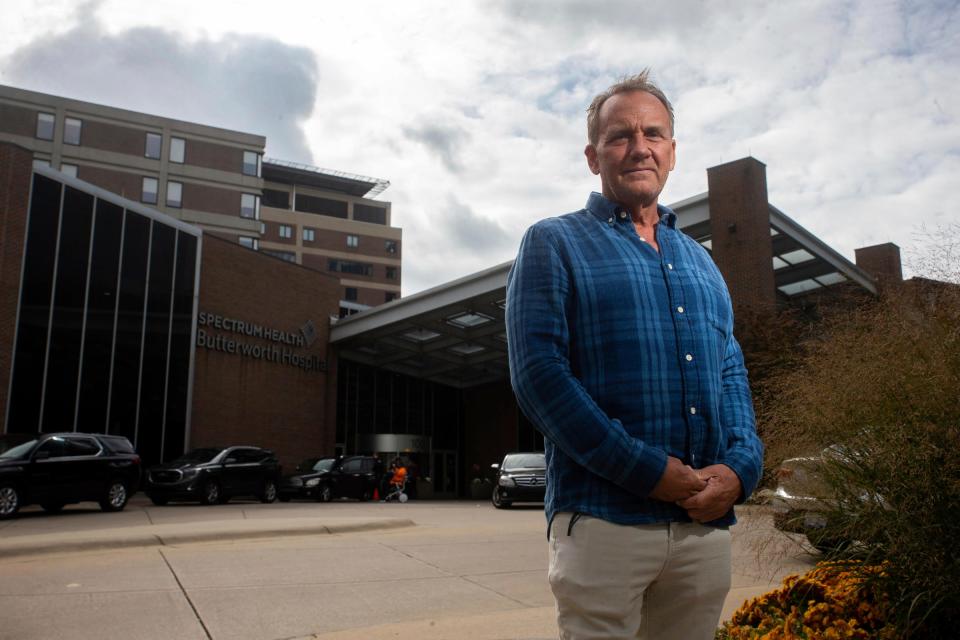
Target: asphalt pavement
{"points": [[431, 570]]}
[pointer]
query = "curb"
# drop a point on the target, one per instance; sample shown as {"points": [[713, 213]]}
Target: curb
{"points": [[169, 535]]}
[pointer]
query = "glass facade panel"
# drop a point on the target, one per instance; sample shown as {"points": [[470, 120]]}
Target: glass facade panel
{"points": [[35, 293], [101, 307], [181, 346], [66, 331], [105, 322], [276, 198], [129, 332], [153, 372]]}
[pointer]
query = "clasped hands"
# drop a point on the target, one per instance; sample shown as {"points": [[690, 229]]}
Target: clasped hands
{"points": [[706, 494]]}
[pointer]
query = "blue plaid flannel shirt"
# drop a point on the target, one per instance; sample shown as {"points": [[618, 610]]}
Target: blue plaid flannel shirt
{"points": [[621, 355]]}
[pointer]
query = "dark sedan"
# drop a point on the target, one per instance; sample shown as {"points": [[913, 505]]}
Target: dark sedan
{"points": [[215, 474], [521, 477], [57, 469], [324, 479]]}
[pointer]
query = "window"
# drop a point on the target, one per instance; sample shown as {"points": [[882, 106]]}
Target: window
{"points": [[81, 447], [390, 296], [309, 235], [286, 231], [354, 465], [177, 148], [41, 163], [350, 294], [249, 243], [148, 193], [367, 213], [174, 194], [152, 148], [263, 228], [251, 163], [356, 268], [391, 273], [276, 198], [353, 241], [69, 169], [250, 206], [321, 206], [289, 256], [71, 131], [390, 246], [45, 122]]}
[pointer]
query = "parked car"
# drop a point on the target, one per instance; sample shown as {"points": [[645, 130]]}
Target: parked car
{"points": [[215, 474], [56, 469], [521, 477], [324, 479], [802, 501]]}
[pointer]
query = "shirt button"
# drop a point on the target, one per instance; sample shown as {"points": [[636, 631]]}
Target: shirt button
{"points": [[693, 411], [623, 215], [679, 309], [689, 358], [610, 220], [670, 266]]}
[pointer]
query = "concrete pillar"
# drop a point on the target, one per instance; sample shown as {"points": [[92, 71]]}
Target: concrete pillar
{"points": [[740, 231]]}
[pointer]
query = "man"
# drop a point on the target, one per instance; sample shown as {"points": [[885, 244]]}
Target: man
{"points": [[622, 353]]}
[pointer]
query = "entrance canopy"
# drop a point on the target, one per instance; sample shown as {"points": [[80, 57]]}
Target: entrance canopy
{"points": [[452, 334]]}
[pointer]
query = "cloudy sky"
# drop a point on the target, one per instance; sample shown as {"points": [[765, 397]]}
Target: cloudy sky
{"points": [[475, 110]]}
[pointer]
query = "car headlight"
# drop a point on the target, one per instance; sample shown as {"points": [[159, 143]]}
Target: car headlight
{"points": [[507, 481], [312, 482], [189, 473]]}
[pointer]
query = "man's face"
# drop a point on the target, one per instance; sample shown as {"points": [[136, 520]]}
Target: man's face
{"points": [[635, 150]]}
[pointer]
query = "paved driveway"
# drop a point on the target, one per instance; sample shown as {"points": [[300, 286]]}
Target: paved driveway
{"points": [[465, 570]]}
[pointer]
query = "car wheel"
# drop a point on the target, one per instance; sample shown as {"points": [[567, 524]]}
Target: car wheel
{"points": [[269, 493], [159, 500], [283, 497], [116, 496], [325, 494], [210, 494], [9, 501], [498, 500], [52, 507]]}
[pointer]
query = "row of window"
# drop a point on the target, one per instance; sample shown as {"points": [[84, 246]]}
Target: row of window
{"points": [[153, 143], [324, 206], [339, 266], [350, 295], [310, 235]]}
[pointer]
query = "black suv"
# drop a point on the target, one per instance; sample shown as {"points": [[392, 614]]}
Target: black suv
{"points": [[521, 477], [55, 469], [215, 474], [327, 478]]}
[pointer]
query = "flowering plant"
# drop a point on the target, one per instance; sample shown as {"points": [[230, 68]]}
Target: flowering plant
{"points": [[832, 601]]}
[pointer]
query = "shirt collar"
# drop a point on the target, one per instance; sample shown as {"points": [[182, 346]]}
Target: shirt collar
{"points": [[609, 211]]}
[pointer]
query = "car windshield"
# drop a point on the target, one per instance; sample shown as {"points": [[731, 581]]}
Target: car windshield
{"points": [[317, 464], [524, 461], [198, 455], [18, 451]]}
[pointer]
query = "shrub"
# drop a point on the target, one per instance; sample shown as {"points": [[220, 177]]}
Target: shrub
{"points": [[834, 600], [880, 387]]}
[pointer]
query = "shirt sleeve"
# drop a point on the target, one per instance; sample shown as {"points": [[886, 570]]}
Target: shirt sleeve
{"points": [[744, 450], [538, 314]]}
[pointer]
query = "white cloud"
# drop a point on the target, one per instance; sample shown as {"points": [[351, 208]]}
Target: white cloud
{"points": [[475, 111]]}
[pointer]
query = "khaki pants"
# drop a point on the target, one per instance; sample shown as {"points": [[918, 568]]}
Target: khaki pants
{"points": [[655, 582]]}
